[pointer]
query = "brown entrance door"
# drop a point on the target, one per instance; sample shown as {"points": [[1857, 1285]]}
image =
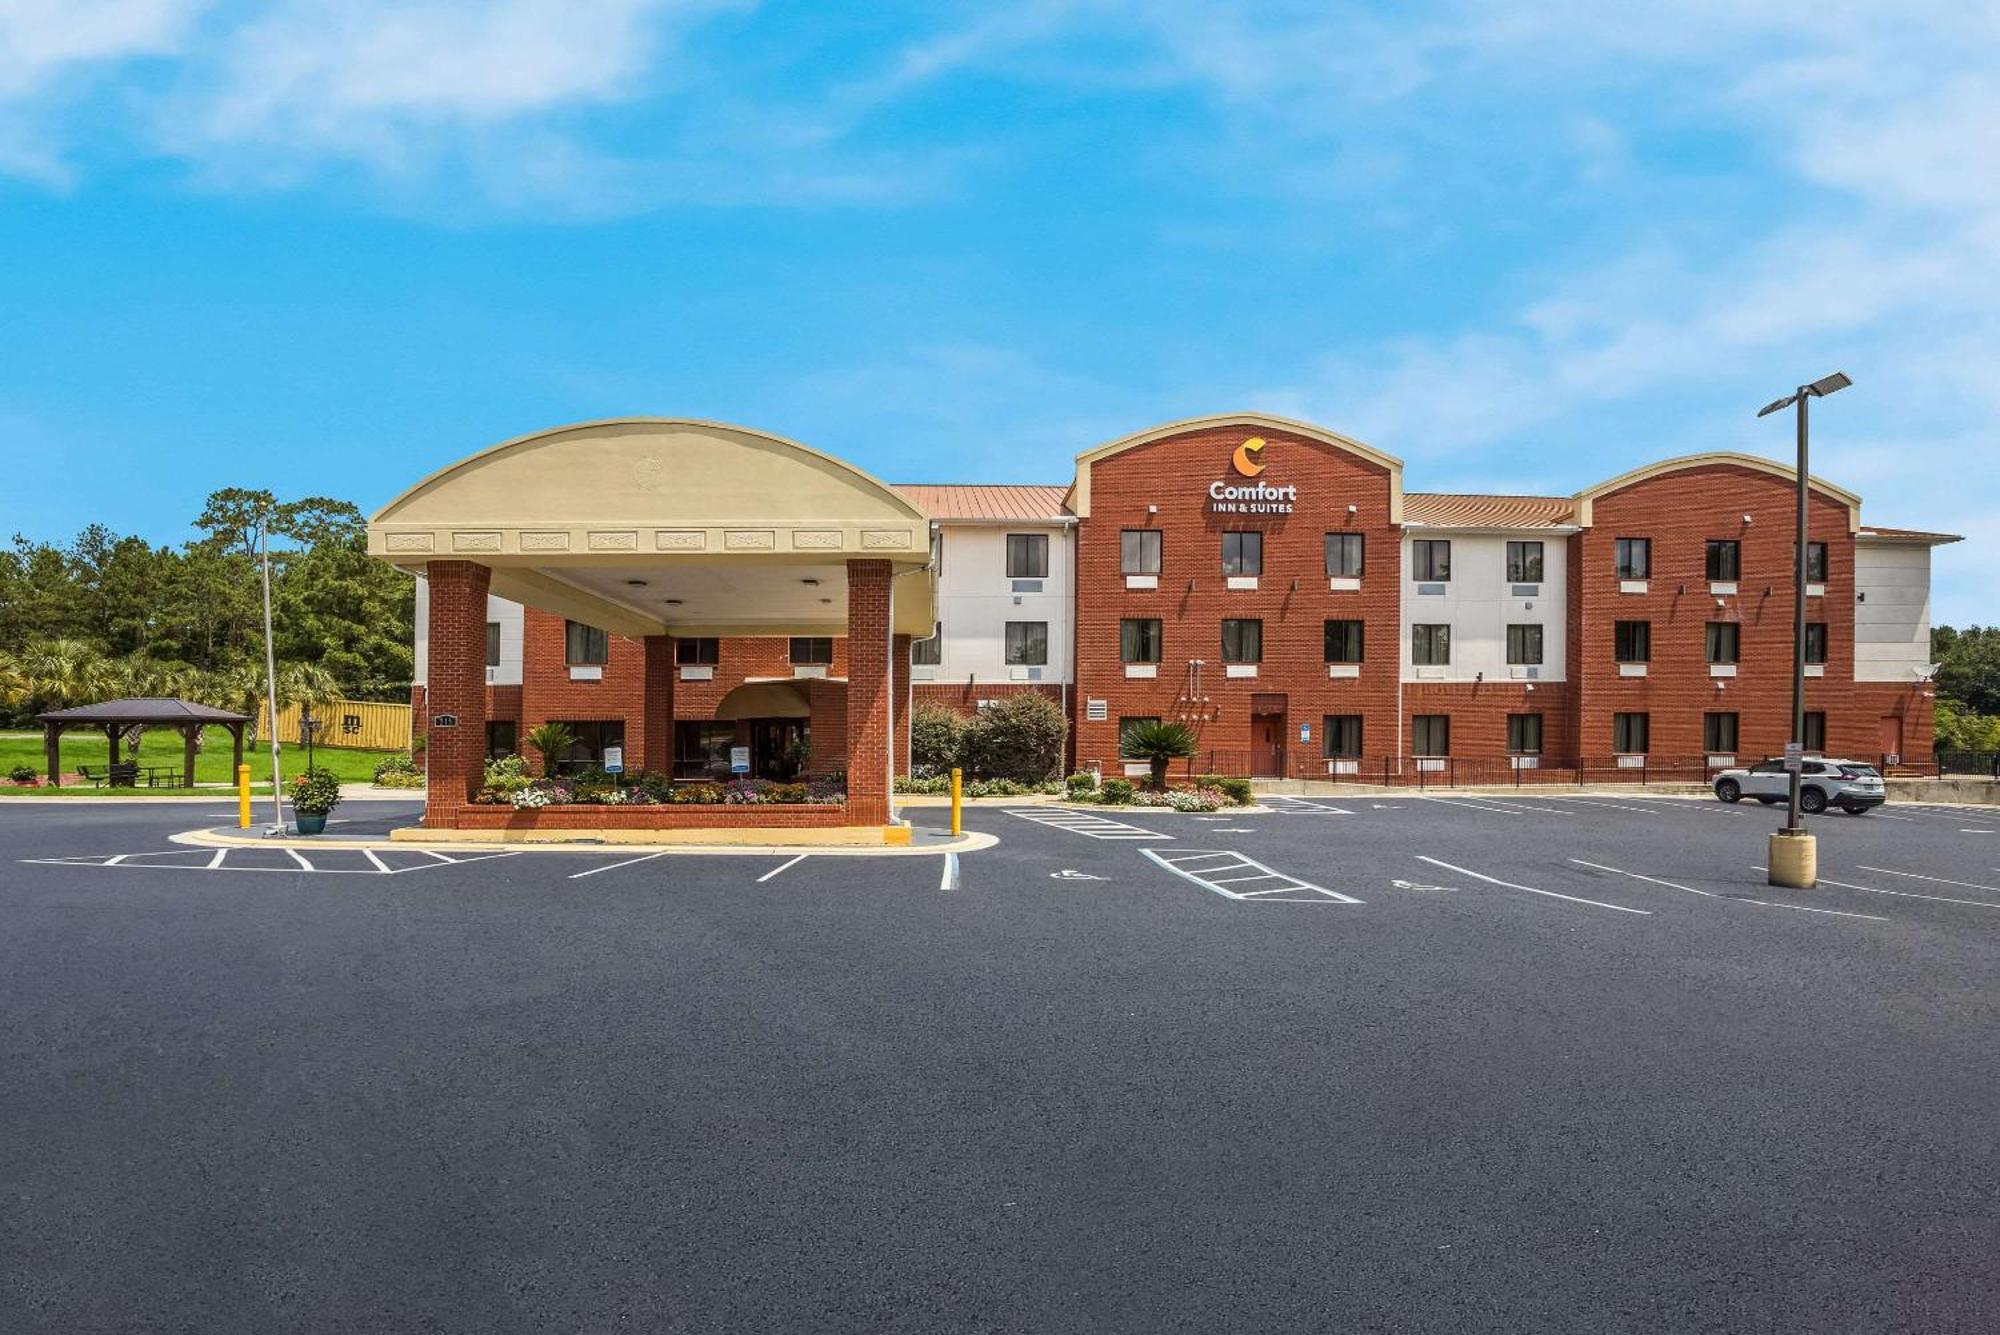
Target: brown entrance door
{"points": [[1892, 738], [1267, 746]]}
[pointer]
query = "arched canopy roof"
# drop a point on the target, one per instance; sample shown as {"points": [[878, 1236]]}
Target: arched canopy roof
{"points": [[1079, 499], [1687, 462], [763, 699], [605, 521]]}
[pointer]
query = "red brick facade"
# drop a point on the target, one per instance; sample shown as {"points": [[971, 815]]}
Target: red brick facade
{"points": [[456, 753], [1292, 599], [1275, 723]]}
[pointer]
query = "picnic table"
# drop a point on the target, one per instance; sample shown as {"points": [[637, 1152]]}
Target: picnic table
{"points": [[130, 775]]}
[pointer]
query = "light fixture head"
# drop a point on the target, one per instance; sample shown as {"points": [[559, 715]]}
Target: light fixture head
{"points": [[1353, 509], [636, 583], [1152, 509], [1832, 384], [810, 582], [673, 602], [1746, 521], [1776, 404]]}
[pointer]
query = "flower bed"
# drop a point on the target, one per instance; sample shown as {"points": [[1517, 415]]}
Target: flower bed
{"points": [[654, 816]]}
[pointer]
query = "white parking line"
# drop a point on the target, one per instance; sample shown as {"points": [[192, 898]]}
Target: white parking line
{"points": [[1709, 894], [300, 859], [1601, 802], [782, 866], [1940, 880], [1178, 860], [1085, 823], [380, 865], [1901, 894], [614, 866], [1511, 885], [1486, 804], [216, 861], [1299, 806]]}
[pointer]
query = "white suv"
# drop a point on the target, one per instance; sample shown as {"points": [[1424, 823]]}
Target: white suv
{"points": [[1848, 784]]}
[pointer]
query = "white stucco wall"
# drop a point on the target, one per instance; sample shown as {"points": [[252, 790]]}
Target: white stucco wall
{"points": [[1478, 605], [1892, 611], [508, 614], [976, 600]]}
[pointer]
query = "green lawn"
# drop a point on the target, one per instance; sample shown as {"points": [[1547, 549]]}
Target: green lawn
{"points": [[163, 747]]}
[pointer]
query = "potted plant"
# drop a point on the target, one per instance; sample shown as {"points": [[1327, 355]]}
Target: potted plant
{"points": [[314, 793], [551, 740], [1158, 743]]}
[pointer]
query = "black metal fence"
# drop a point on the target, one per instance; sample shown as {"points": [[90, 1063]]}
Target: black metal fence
{"points": [[1529, 771]]}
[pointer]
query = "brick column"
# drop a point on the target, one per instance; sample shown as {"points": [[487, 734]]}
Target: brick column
{"points": [[869, 685], [899, 662], [455, 684], [657, 711]]}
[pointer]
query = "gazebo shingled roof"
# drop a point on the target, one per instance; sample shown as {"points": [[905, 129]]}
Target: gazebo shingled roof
{"points": [[114, 716]]}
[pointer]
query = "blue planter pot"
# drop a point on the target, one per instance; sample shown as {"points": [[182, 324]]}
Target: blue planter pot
{"points": [[311, 822]]}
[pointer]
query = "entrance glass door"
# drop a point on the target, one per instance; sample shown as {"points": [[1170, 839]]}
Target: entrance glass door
{"points": [[777, 748]]}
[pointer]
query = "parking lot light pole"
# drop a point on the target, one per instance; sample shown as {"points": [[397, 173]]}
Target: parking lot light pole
{"points": [[1793, 858]]}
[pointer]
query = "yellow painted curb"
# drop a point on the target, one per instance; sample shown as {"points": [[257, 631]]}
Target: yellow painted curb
{"points": [[468, 840]]}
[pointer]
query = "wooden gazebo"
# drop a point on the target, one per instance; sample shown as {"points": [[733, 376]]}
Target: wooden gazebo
{"points": [[113, 717]]}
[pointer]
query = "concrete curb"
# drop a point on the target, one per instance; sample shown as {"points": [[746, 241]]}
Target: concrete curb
{"points": [[969, 842]]}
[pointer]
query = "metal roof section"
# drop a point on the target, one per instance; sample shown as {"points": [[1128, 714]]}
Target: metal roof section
{"points": [[989, 503], [1464, 510]]}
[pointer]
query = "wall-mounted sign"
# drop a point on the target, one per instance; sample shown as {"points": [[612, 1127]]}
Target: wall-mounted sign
{"points": [[1305, 732], [444, 720], [1260, 498]]}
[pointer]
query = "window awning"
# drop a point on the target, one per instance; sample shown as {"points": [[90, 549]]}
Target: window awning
{"points": [[763, 699]]}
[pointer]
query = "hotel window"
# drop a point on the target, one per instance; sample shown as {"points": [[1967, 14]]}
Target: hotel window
{"points": [[1815, 738], [492, 644], [1718, 734], [584, 646], [1242, 641], [589, 738], [1524, 644], [1430, 734], [1524, 563], [698, 651], [1027, 556], [929, 651], [701, 749], [1815, 642], [1724, 639], [1524, 734], [1632, 641], [1633, 557], [1430, 559], [1815, 562], [1430, 646], [1139, 640], [1128, 722], [1344, 641], [1340, 735], [1725, 559], [1139, 551], [1027, 643], [1346, 553], [502, 738], [811, 650], [1630, 733], [1243, 553]]}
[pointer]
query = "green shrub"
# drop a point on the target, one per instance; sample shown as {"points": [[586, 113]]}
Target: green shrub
{"points": [[1238, 791], [1018, 737], [1082, 786], [316, 792], [937, 733], [1116, 792], [399, 772], [22, 774]]}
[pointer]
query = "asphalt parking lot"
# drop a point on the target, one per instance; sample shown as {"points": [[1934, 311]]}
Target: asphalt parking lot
{"points": [[1412, 1064]]}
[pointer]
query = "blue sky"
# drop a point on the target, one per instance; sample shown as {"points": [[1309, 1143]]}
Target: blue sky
{"points": [[327, 245]]}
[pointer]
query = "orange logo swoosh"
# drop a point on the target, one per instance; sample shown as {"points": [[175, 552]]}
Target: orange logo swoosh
{"points": [[1242, 461]]}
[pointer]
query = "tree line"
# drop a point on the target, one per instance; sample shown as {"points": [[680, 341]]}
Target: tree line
{"points": [[107, 616], [1968, 687]]}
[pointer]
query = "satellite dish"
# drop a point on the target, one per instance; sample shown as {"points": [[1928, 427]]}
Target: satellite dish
{"points": [[1927, 671]]}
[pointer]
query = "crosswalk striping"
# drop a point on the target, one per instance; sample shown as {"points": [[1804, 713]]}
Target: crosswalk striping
{"points": [[1234, 876], [1301, 806], [1083, 822], [324, 862]]}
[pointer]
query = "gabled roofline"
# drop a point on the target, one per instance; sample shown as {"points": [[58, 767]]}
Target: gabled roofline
{"points": [[697, 423], [1078, 499], [1725, 458]]}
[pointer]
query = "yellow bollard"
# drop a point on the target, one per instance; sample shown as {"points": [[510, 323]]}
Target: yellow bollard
{"points": [[242, 797], [957, 777]]}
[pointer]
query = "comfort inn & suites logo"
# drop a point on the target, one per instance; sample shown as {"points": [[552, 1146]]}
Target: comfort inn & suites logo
{"points": [[1260, 499], [1244, 460]]}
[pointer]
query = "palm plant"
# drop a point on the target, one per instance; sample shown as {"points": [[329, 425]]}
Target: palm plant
{"points": [[62, 673], [1157, 743], [551, 740], [13, 684]]}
